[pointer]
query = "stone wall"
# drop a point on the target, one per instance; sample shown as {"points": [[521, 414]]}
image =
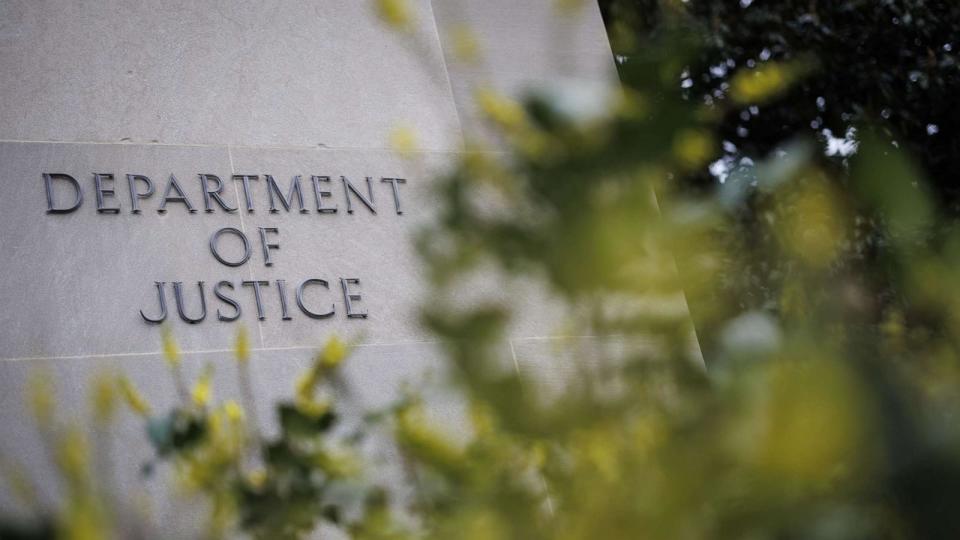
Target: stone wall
{"points": [[275, 88]]}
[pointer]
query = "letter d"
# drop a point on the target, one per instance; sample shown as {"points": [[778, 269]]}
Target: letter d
{"points": [[48, 184]]}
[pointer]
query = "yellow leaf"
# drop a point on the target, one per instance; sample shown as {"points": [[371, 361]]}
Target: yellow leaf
{"points": [[500, 109], [203, 388], [466, 48], [104, 398], [19, 483], [404, 140], [133, 397], [395, 13], [765, 82], [242, 346], [40, 398], [813, 224], [333, 353], [693, 147], [305, 385], [416, 434], [170, 350], [312, 407], [234, 411], [257, 478], [73, 454]]}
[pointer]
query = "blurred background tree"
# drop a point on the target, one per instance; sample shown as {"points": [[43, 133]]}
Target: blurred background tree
{"points": [[895, 61], [825, 403], [891, 65]]}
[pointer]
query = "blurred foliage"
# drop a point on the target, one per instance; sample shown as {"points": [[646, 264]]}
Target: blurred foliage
{"points": [[894, 60], [825, 409], [826, 70]]}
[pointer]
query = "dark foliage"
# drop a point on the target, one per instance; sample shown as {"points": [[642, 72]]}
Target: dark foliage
{"points": [[893, 62]]}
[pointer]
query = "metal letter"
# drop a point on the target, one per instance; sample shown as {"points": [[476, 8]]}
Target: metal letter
{"points": [[173, 185], [243, 238], [396, 191], [245, 180], [104, 192], [48, 185], [303, 308], [135, 195], [348, 187], [267, 247], [163, 305], [319, 195], [227, 299], [256, 293], [273, 188], [282, 290], [178, 294], [213, 194], [348, 296]]}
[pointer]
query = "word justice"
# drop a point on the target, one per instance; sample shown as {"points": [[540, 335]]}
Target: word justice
{"points": [[65, 194], [231, 310]]}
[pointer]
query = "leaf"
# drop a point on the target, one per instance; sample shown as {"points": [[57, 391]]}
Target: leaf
{"points": [[891, 183], [295, 421]]}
